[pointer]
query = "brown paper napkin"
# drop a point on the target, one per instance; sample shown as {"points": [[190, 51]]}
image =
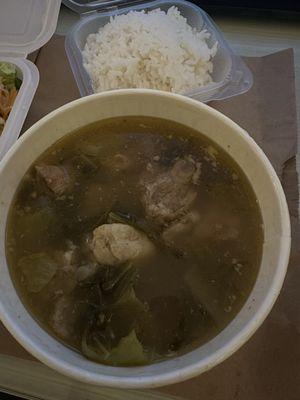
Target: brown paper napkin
{"points": [[268, 110], [268, 366]]}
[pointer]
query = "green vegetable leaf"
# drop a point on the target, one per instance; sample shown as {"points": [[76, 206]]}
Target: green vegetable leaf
{"points": [[120, 218], [128, 352], [128, 297], [18, 83], [126, 313], [123, 284], [95, 352], [8, 74], [106, 330], [128, 219], [38, 270], [118, 275]]}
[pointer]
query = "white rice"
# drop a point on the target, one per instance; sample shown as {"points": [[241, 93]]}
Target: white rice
{"points": [[156, 50]]}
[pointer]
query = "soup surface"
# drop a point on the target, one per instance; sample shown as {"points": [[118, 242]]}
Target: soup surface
{"points": [[133, 240]]}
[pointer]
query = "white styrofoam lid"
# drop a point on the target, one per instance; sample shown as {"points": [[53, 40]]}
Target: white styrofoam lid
{"points": [[26, 25]]}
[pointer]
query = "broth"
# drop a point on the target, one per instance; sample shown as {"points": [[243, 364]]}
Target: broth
{"points": [[133, 240]]}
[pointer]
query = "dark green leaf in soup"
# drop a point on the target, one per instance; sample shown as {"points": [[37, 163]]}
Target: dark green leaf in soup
{"points": [[125, 314], [128, 352], [111, 329], [84, 164], [133, 240], [94, 349], [118, 279], [139, 223]]}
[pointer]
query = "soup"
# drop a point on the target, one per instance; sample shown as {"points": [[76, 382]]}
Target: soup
{"points": [[133, 240]]}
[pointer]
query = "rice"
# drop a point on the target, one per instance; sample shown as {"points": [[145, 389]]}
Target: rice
{"points": [[155, 50]]}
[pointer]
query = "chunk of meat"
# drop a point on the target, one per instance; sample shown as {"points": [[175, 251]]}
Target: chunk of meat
{"points": [[168, 195], [63, 317], [114, 244], [118, 162], [57, 178], [193, 228], [70, 256], [65, 278], [180, 233], [186, 171], [86, 271], [67, 317]]}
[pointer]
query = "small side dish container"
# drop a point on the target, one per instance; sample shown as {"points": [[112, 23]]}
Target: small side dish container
{"points": [[24, 28], [232, 139], [230, 75]]}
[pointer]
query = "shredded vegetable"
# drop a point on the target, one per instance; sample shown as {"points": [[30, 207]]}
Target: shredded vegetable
{"points": [[9, 87]]}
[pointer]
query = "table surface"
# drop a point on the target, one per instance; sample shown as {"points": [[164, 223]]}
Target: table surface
{"points": [[249, 36]]}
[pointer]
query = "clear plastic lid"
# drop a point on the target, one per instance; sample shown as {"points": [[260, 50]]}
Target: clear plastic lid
{"points": [[25, 25], [84, 6], [230, 74]]}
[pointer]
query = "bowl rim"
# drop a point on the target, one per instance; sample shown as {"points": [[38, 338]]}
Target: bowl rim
{"points": [[195, 368]]}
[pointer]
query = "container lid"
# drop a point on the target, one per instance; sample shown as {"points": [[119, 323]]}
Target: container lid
{"points": [[26, 25], [84, 6]]}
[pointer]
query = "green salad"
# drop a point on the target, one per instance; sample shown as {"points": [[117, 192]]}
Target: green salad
{"points": [[10, 84]]}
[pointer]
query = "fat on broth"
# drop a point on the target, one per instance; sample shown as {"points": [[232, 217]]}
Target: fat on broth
{"points": [[133, 240]]}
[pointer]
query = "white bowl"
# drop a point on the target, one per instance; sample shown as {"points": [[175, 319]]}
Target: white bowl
{"points": [[226, 134]]}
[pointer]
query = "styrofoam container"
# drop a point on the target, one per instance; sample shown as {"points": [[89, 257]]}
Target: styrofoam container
{"points": [[225, 133], [29, 75], [24, 27], [231, 76]]}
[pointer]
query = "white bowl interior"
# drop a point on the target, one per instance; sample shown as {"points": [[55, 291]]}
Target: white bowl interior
{"points": [[226, 134]]}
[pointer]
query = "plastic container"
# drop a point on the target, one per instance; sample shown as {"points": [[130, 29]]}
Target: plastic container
{"points": [[231, 76], [25, 27], [232, 139]]}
